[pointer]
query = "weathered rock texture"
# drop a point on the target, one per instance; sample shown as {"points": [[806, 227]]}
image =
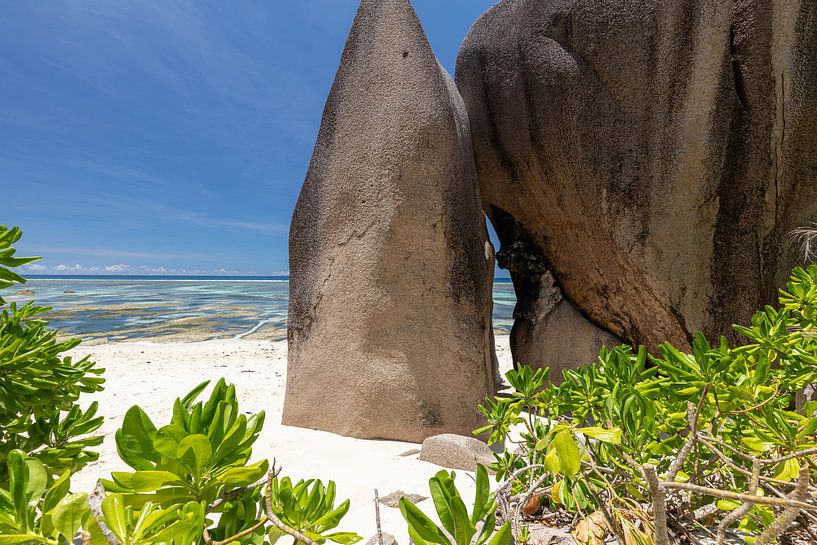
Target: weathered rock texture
{"points": [[390, 266], [652, 155], [456, 452]]}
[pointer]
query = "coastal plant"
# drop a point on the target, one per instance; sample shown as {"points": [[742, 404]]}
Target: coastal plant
{"points": [[640, 445], [308, 507], [36, 509], [458, 527], [193, 482], [39, 385]]}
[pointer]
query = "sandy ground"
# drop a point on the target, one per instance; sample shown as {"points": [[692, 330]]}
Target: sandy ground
{"points": [[153, 375]]}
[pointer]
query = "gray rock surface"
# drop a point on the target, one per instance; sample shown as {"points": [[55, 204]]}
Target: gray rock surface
{"points": [[456, 452], [549, 331], [393, 499], [390, 265], [653, 156]]}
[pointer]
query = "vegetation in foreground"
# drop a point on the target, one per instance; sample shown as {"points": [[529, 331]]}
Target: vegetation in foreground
{"points": [[642, 448], [646, 447]]}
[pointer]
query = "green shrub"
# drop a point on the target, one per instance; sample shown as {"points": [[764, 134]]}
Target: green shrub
{"points": [[193, 481], [37, 509], [458, 527], [709, 424], [308, 507], [39, 386]]}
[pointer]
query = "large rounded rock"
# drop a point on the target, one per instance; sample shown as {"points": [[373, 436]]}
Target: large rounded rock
{"points": [[652, 156], [390, 265]]}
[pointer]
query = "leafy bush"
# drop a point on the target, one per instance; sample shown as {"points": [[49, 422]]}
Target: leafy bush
{"points": [[200, 454], [458, 527], [197, 467], [39, 387], [308, 507], [36, 509], [673, 434]]}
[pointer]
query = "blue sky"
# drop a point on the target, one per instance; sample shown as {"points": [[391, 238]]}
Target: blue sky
{"points": [[171, 136]]}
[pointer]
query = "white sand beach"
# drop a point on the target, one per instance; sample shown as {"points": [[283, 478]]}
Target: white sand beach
{"points": [[153, 375]]}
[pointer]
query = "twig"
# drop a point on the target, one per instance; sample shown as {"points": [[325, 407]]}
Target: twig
{"points": [[725, 494], [725, 459], [788, 515], [523, 502], [744, 509], [95, 500], [477, 532], [227, 496], [377, 517], [244, 533], [799, 454], [692, 416], [659, 505], [512, 477]]}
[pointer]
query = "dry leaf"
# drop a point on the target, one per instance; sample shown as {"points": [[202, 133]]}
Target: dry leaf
{"points": [[591, 530]]}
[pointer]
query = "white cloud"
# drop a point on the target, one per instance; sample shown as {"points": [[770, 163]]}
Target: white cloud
{"points": [[120, 267], [34, 267], [68, 268]]}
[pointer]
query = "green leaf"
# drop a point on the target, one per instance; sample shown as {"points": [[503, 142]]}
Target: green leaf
{"points": [[17, 539], [194, 451], [420, 524], [113, 511], [442, 504], [727, 505], [501, 536], [148, 481], [568, 452], [612, 436], [18, 486], [332, 519], [187, 401], [344, 538], [243, 476], [37, 479], [483, 499], [788, 470], [167, 441], [134, 440], [274, 534], [69, 514], [552, 462], [57, 492]]}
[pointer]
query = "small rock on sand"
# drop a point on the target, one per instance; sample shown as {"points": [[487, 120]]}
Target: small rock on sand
{"points": [[393, 499], [456, 452], [385, 539]]}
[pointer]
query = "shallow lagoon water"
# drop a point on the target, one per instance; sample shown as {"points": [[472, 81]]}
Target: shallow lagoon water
{"points": [[183, 309]]}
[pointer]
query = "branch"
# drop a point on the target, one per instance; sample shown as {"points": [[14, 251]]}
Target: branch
{"points": [[788, 515], [95, 500], [659, 504], [377, 517], [227, 496], [523, 502], [244, 533], [744, 509], [763, 500], [692, 416]]}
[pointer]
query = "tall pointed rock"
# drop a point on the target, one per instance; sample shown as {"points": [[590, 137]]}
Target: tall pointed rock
{"points": [[390, 264]]}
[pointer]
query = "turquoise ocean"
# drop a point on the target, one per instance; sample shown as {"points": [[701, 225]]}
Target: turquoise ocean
{"points": [[156, 308]]}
